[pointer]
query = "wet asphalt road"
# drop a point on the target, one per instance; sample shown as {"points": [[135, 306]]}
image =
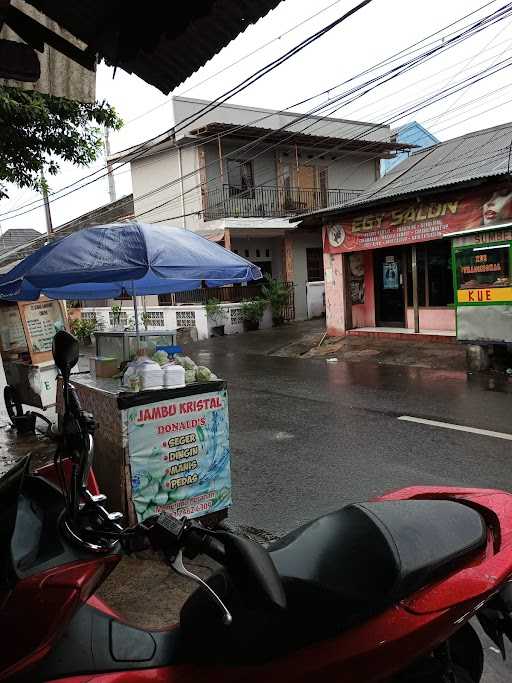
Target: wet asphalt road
{"points": [[308, 437]]}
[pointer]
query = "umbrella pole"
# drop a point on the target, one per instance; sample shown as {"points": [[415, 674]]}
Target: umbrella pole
{"points": [[136, 311]]}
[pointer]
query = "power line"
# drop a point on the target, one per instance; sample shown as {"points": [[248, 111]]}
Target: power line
{"points": [[323, 152], [258, 141], [426, 100], [144, 147], [236, 62]]}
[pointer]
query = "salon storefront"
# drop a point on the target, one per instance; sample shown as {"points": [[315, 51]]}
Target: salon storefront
{"points": [[388, 266]]}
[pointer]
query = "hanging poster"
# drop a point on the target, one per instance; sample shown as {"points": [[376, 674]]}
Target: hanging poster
{"points": [[179, 455], [43, 320], [12, 334], [390, 275]]}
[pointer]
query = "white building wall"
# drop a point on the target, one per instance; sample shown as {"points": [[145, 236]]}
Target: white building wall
{"points": [[301, 241], [351, 172], [261, 244], [159, 194]]}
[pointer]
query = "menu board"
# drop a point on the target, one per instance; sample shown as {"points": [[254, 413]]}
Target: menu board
{"points": [[11, 329], [43, 320]]}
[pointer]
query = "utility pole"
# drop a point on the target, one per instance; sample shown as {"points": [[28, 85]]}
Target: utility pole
{"points": [[47, 212], [110, 174]]}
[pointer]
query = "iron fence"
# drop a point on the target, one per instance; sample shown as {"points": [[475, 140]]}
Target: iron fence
{"points": [[272, 202], [230, 294]]}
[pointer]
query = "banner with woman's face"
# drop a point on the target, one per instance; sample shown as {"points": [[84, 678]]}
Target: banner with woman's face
{"points": [[420, 219]]}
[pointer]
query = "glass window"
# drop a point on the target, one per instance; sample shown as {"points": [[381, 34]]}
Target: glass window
{"points": [[315, 264], [240, 177], [439, 267], [483, 267], [435, 284]]}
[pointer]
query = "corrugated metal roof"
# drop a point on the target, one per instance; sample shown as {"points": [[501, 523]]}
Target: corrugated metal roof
{"points": [[161, 42], [483, 154]]}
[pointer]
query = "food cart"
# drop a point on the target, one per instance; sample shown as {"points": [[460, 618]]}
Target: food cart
{"points": [[161, 449], [26, 335], [481, 261]]}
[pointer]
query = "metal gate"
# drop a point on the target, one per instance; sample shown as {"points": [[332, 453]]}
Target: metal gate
{"points": [[289, 307]]}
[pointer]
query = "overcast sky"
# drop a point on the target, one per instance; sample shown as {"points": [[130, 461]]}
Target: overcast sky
{"points": [[376, 32]]}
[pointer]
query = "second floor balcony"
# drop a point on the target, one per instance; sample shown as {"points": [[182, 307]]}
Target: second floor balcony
{"points": [[266, 201]]}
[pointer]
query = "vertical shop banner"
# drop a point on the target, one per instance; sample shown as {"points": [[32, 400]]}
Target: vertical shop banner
{"points": [[179, 455], [356, 278], [419, 220]]}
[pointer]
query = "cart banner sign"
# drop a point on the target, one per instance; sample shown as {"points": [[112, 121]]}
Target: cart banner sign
{"points": [[179, 455], [419, 220]]}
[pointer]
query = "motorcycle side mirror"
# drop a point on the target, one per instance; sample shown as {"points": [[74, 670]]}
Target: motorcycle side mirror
{"points": [[65, 351]]}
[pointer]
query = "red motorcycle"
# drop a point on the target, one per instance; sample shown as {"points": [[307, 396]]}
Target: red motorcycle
{"points": [[379, 591]]}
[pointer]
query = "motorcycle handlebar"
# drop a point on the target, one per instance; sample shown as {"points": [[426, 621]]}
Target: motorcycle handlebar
{"points": [[247, 562]]}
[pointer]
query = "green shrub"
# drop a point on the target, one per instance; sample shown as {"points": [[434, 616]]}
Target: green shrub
{"points": [[214, 310], [253, 310], [82, 329], [276, 292]]}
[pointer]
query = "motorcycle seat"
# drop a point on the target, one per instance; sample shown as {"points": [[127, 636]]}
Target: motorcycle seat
{"points": [[374, 554], [338, 571]]}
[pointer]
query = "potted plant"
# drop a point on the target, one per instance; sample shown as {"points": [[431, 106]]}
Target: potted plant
{"points": [[83, 329], [252, 313], [216, 315], [146, 319], [116, 314], [276, 292]]}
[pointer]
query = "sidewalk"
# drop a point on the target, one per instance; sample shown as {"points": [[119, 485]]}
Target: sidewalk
{"points": [[302, 339]]}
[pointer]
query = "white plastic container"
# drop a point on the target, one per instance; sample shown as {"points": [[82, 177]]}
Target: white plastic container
{"points": [[150, 374], [174, 376]]}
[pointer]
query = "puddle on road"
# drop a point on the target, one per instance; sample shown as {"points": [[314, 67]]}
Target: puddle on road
{"points": [[14, 447], [496, 382]]}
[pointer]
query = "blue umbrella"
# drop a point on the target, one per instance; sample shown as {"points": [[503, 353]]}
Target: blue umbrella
{"points": [[104, 261]]}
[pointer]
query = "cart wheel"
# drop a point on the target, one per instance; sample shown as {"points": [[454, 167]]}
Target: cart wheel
{"points": [[12, 403]]}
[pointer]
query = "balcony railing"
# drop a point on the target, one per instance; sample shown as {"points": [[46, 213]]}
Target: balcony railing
{"points": [[270, 202]]}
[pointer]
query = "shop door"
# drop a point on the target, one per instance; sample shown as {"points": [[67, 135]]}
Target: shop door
{"points": [[389, 288]]}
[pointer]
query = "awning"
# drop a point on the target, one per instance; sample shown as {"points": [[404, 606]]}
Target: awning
{"points": [[291, 138]]}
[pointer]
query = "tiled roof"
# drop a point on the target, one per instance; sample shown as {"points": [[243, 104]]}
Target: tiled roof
{"points": [[115, 212], [14, 237]]}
